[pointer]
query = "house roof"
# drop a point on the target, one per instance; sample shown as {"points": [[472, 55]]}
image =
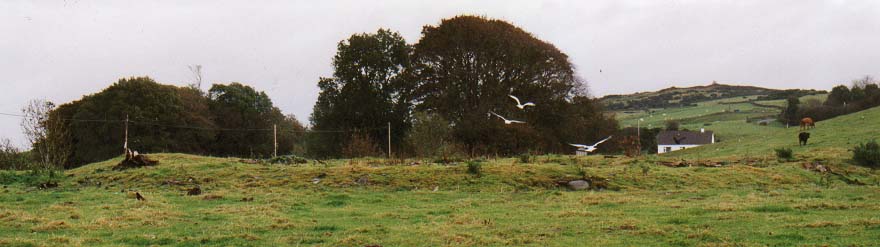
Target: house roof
{"points": [[668, 137]]}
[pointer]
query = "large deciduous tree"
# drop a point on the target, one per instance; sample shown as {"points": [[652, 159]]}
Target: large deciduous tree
{"points": [[839, 95], [235, 120], [247, 120], [466, 66], [94, 126], [368, 90]]}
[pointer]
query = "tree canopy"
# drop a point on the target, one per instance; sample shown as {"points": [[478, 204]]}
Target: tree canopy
{"points": [[368, 90], [164, 118], [466, 66]]}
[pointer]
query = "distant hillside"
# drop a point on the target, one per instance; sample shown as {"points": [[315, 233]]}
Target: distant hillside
{"points": [[832, 138], [689, 96]]}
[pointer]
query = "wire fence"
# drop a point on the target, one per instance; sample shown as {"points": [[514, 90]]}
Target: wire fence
{"points": [[153, 123], [273, 130]]}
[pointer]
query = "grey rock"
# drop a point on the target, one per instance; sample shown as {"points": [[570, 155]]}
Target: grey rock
{"points": [[579, 185]]}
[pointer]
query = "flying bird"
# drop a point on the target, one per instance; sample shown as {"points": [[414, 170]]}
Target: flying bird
{"points": [[520, 105], [506, 121], [589, 148]]}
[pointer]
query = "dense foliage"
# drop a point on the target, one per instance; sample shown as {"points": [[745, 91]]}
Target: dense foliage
{"points": [[164, 118], [454, 76], [867, 154], [247, 120], [368, 91], [11, 157], [458, 72], [466, 66], [863, 94]]}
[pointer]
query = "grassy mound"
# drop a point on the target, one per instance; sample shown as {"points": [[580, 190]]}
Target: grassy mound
{"points": [[752, 200], [180, 171], [365, 202]]}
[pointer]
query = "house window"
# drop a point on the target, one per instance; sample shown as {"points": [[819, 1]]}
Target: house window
{"points": [[667, 149]]}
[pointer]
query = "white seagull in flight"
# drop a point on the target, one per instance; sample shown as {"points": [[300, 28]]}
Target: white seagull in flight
{"points": [[589, 148], [520, 105], [505, 120]]}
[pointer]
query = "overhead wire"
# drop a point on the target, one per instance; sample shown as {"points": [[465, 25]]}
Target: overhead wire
{"points": [[142, 122]]}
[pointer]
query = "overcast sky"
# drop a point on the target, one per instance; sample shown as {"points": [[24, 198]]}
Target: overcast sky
{"points": [[61, 50]]}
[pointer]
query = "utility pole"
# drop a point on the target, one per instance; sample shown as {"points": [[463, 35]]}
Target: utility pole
{"points": [[125, 145], [639, 136], [275, 139], [389, 140]]}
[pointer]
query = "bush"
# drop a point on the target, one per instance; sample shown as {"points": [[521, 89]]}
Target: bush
{"points": [[475, 168], [784, 153], [361, 145], [431, 136], [11, 158], [867, 154], [525, 158], [672, 125]]}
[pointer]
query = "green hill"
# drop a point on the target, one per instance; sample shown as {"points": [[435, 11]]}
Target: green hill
{"points": [[830, 138], [689, 96]]}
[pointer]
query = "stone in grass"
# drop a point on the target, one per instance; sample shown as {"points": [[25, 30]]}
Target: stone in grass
{"points": [[578, 185], [194, 191], [363, 181]]}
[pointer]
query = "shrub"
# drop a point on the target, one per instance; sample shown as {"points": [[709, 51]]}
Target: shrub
{"points": [[430, 136], [475, 168], [867, 154], [11, 158], [361, 145], [672, 125], [784, 153], [525, 158]]}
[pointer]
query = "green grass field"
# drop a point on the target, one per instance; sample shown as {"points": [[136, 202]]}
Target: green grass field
{"points": [[833, 138], [417, 203], [726, 117], [754, 199], [782, 102], [704, 112]]}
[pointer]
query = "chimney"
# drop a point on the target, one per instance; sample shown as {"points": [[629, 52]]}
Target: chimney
{"points": [[702, 130]]}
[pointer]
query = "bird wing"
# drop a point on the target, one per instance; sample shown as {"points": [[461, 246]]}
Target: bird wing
{"points": [[529, 104], [499, 116], [578, 145], [516, 121], [603, 140], [514, 98]]}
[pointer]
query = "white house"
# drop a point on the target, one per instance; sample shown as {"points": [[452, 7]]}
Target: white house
{"points": [[668, 141]]}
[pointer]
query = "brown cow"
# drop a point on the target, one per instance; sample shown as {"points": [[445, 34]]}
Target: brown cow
{"points": [[807, 123]]}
